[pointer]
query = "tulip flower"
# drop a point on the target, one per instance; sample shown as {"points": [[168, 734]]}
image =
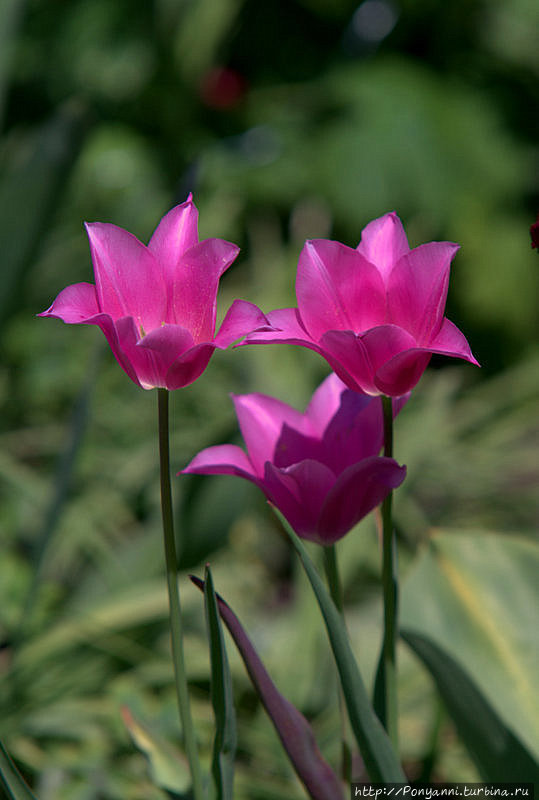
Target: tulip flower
{"points": [[375, 313], [320, 468], [156, 305]]}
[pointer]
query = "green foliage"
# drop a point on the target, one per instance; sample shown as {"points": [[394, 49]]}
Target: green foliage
{"points": [[103, 117]]}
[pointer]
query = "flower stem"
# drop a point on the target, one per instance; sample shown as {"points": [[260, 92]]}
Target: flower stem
{"points": [[176, 628], [390, 588]]}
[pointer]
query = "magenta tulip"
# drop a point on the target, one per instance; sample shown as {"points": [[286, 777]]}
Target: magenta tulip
{"points": [[156, 305], [320, 468], [376, 313]]}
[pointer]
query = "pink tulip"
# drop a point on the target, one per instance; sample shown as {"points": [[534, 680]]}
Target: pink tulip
{"points": [[320, 468], [156, 305], [376, 313]]}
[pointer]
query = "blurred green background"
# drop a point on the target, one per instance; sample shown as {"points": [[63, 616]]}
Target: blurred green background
{"points": [[288, 120]]}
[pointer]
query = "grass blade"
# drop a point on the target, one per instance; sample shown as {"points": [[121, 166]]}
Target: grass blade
{"points": [[11, 780]]}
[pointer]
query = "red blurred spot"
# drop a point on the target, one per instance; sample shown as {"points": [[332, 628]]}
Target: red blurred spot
{"points": [[534, 233], [222, 88]]}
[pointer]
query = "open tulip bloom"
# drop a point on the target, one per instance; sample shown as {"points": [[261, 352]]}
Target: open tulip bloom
{"points": [[156, 305], [375, 313], [320, 468]]}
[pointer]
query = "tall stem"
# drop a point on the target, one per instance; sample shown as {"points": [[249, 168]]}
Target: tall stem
{"points": [[176, 628], [390, 589]]}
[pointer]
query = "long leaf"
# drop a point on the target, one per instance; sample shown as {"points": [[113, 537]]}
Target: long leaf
{"points": [[293, 729], [380, 759], [497, 753], [11, 779], [224, 747]]}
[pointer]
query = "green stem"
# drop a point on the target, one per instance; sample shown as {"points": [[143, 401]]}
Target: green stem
{"points": [[390, 588], [176, 628]]}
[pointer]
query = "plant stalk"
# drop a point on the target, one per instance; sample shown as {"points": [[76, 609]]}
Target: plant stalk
{"points": [[176, 627], [390, 590]]}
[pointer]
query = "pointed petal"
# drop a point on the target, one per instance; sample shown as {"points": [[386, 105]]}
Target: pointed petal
{"points": [[74, 304], [286, 328], [299, 492], [357, 491], [128, 279], [224, 459], [176, 233], [450, 341], [193, 291], [261, 420], [348, 357], [293, 729], [241, 318], [383, 243], [417, 289], [326, 401], [337, 289]]}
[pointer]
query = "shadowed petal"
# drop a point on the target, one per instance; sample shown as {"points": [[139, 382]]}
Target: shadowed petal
{"points": [[357, 491], [299, 492], [189, 366], [286, 328], [383, 243], [128, 279], [337, 289], [176, 233], [241, 318], [417, 289], [397, 362], [261, 419], [75, 304], [450, 341], [193, 292], [224, 459]]}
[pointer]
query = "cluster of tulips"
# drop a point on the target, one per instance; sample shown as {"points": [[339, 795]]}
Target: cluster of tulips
{"points": [[376, 315]]}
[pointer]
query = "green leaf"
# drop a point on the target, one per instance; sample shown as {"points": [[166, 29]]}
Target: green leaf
{"points": [[293, 729], [169, 769], [496, 751], [224, 747], [471, 600], [380, 759], [11, 779]]}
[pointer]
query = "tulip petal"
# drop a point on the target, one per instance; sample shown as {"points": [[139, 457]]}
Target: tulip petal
{"points": [[176, 233], [338, 289], [193, 291], [348, 357], [286, 327], [417, 289], [128, 279], [299, 492], [383, 243], [189, 366], [326, 402], [74, 304], [223, 459], [450, 341], [358, 490], [261, 419], [241, 318]]}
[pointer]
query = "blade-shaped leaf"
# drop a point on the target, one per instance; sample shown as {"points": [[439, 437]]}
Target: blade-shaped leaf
{"points": [[224, 747], [169, 769], [292, 727], [482, 592], [497, 753], [11, 779], [380, 759]]}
